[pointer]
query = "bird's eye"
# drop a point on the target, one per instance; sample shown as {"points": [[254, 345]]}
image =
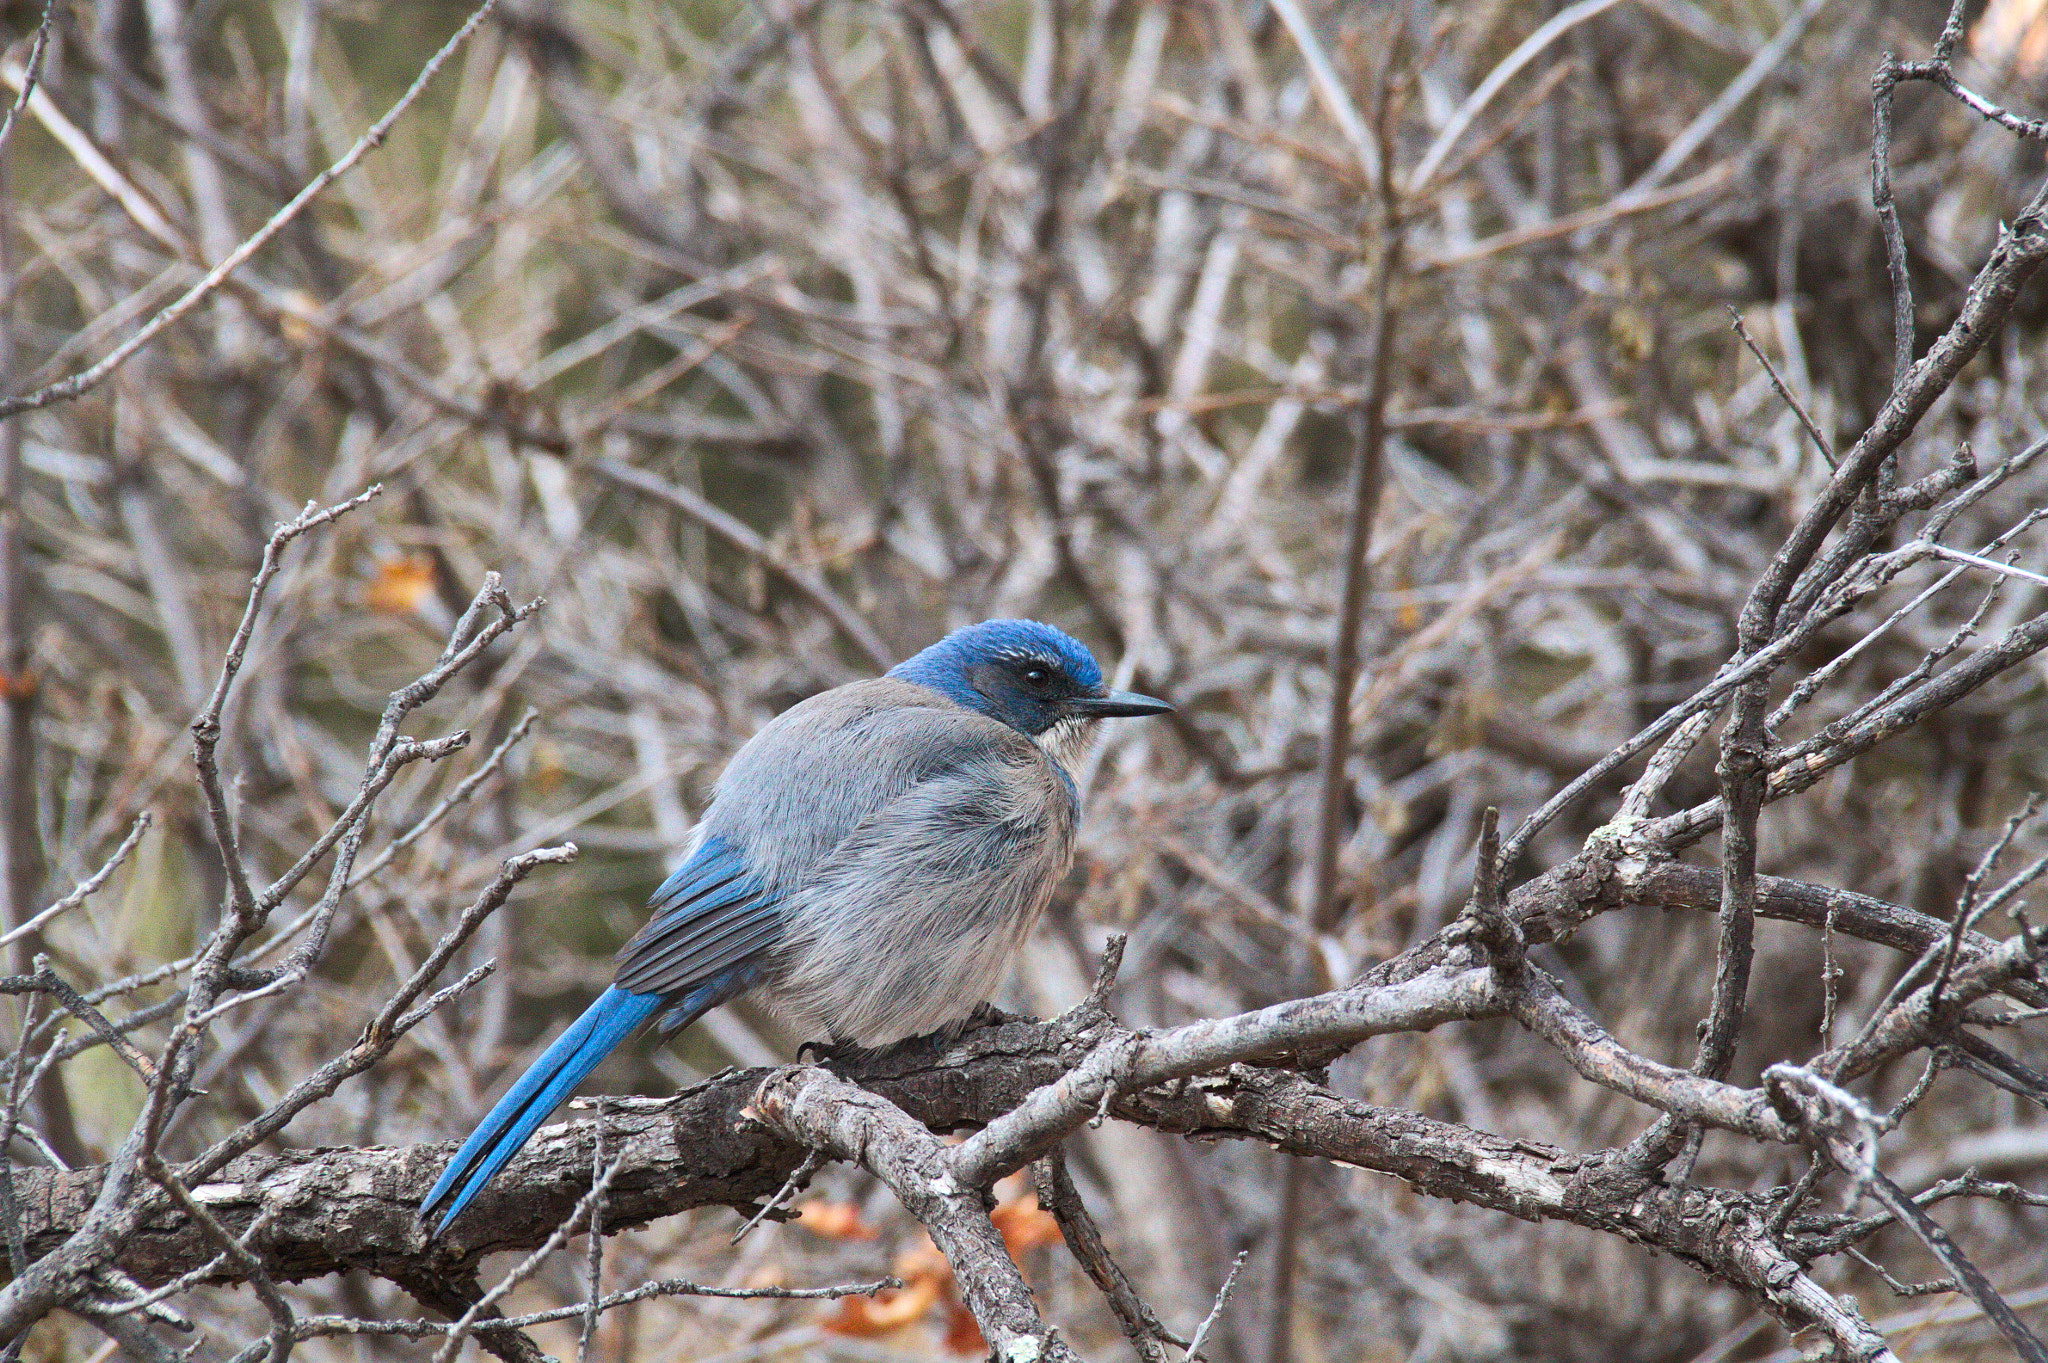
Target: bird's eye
{"points": [[1037, 676]]}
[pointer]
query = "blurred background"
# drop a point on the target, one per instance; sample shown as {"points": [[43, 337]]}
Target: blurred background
{"points": [[769, 341]]}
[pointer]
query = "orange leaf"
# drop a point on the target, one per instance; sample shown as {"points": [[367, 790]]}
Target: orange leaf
{"points": [[865, 1317], [921, 1261], [1025, 1225], [963, 1336], [832, 1220], [547, 770], [401, 584]]}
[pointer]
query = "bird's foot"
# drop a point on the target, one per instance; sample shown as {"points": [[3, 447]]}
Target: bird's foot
{"points": [[830, 1052], [986, 1014], [837, 1053]]}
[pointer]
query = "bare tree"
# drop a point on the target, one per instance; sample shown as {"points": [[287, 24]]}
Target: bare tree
{"points": [[1576, 468]]}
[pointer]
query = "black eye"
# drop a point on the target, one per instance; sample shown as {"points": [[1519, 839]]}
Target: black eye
{"points": [[1037, 676]]}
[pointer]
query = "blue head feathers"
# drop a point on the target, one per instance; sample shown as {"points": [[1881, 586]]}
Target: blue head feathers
{"points": [[1028, 675]]}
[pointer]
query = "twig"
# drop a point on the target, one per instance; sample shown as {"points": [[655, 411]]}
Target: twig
{"points": [[1940, 71], [1969, 1184], [1816, 1169], [594, 1250], [382, 770], [206, 729], [1330, 90], [1820, 442], [823, 1111], [1491, 925], [20, 1080], [798, 1178], [1742, 778], [743, 538], [471, 636], [280, 1345], [1938, 1060], [397, 1017], [1643, 791], [528, 1266], [1978, 561], [31, 72], [1597, 1056], [88, 379], [184, 1282], [1890, 72], [1768, 58], [1711, 696], [1368, 458], [1968, 1277], [1967, 914], [87, 887], [1707, 181], [1546, 33], [1057, 1194], [1830, 980], [315, 1327], [1128, 1061], [1106, 971], [46, 981], [1899, 1289], [1201, 1335], [460, 795]]}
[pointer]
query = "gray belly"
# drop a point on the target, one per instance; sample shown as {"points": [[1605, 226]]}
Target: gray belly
{"points": [[918, 987]]}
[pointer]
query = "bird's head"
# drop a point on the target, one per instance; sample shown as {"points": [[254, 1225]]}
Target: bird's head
{"points": [[1032, 677]]}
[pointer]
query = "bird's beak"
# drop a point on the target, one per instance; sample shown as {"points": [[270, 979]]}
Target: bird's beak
{"points": [[1118, 704]]}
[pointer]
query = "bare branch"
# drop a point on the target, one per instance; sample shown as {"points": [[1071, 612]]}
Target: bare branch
{"points": [[31, 72], [86, 888], [91, 377]]}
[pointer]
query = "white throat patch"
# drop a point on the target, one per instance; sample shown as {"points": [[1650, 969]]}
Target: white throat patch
{"points": [[1066, 741]]}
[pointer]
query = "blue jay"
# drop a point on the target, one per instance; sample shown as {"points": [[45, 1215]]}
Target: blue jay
{"points": [[871, 858]]}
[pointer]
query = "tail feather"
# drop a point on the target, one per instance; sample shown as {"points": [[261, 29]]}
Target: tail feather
{"points": [[611, 1019]]}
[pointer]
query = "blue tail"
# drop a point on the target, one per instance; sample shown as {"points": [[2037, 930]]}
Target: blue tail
{"points": [[497, 1138]]}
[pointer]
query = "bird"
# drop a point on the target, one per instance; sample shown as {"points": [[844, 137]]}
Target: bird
{"points": [[870, 860]]}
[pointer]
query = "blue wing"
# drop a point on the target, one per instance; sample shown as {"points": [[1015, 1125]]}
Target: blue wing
{"points": [[710, 915], [702, 947]]}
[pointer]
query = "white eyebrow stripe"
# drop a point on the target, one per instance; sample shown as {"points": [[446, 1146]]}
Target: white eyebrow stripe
{"points": [[1018, 655]]}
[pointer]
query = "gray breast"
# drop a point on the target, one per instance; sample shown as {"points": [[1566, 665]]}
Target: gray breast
{"points": [[910, 917]]}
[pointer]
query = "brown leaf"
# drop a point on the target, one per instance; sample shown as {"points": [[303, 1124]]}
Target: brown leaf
{"points": [[963, 1336], [401, 584], [832, 1220], [922, 1260], [866, 1317], [1025, 1225]]}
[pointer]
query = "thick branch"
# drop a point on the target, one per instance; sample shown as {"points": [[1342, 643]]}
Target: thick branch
{"points": [[335, 1210], [827, 1113]]}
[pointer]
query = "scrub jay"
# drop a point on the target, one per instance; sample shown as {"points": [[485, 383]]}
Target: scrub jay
{"points": [[871, 859]]}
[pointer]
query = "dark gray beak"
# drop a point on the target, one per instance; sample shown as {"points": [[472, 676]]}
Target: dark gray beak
{"points": [[1117, 705]]}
